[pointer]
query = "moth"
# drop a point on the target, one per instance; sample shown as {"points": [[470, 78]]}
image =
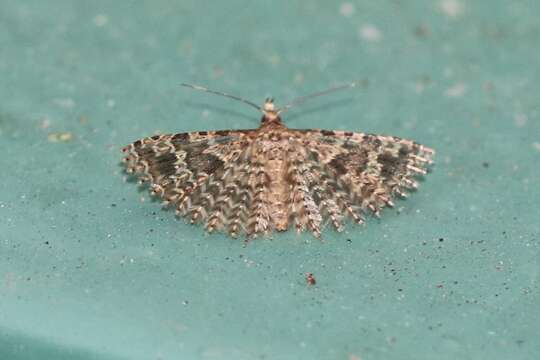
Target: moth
{"points": [[273, 178]]}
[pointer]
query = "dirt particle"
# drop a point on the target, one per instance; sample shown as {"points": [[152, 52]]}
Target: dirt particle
{"points": [[422, 31], [370, 33], [346, 9], [101, 20], [452, 8], [60, 137], [457, 90]]}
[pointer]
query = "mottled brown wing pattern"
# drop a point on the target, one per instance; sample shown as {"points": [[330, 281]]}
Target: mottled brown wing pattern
{"points": [[258, 181], [202, 174], [370, 169]]}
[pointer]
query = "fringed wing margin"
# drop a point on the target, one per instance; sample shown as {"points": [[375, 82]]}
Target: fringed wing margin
{"points": [[350, 174], [204, 175]]}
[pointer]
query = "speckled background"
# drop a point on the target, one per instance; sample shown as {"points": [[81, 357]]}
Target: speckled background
{"points": [[90, 268]]}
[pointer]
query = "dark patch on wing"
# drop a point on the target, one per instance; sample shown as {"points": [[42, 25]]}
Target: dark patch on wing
{"points": [[404, 151], [359, 160], [328, 132], [180, 138], [206, 163], [338, 164], [163, 164], [354, 161], [390, 164], [222, 132], [314, 156], [372, 140]]}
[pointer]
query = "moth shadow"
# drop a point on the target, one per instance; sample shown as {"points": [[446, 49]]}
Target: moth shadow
{"points": [[141, 188], [218, 109], [327, 106]]}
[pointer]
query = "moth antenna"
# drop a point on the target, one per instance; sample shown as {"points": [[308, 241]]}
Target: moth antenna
{"points": [[302, 99], [234, 97]]}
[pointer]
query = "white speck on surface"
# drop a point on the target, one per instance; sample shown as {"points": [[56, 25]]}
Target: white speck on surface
{"points": [[419, 87], [205, 113], [520, 120], [60, 137], [369, 32], [298, 78], [66, 103], [274, 59], [452, 8], [101, 20], [346, 9], [45, 123], [111, 103], [456, 90], [536, 146], [249, 263]]}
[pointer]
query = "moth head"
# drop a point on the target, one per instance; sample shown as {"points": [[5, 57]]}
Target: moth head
{"points": [[269, 105], [269, 110]]}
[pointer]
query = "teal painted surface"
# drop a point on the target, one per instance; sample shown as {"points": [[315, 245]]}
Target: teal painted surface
{"points": [[89, 271]]}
